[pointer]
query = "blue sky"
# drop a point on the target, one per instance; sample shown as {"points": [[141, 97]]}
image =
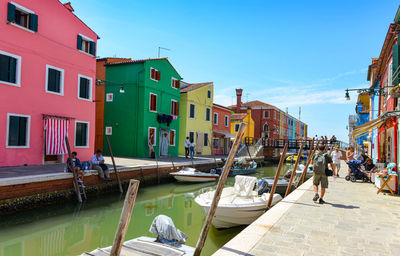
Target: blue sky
{"points": [[287, 53]]}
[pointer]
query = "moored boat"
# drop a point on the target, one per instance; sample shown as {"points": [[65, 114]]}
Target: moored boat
{"points": [[188, 174], [239, 205], [281, 186]]}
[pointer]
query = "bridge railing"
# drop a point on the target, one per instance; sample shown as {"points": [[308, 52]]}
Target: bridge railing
{"points": [[295, 143]]}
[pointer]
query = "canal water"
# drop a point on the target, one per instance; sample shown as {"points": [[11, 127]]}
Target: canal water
{"points": [[71, 229]]}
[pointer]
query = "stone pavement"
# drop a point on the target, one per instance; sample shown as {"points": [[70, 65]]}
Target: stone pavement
{"points": [[354, 221]]}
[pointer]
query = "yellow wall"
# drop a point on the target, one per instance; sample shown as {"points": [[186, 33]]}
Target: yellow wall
{"points": [[364, 98], [199, 123], [249, 128]]}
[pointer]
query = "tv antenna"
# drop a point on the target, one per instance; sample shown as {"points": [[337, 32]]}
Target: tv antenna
{"points": [[162, 48]]}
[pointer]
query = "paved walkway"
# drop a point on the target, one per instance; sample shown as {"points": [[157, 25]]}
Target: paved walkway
{"points": [[354, 221]]}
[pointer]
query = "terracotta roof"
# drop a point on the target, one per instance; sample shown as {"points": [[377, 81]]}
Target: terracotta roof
{"points": [[113, 59], [254, 103], [220, 106], [238, 116], [186, 87]]}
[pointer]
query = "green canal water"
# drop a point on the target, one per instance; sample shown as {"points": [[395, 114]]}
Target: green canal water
{"points": [[70, 229]]}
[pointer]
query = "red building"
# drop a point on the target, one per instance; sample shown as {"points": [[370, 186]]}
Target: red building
{"points": [[221, 127]]}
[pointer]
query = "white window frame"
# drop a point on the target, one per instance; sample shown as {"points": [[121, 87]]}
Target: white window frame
{"points": [[210, 94], [238, 126], [172, 145], [226, 120], [28, 130], [86, 39], [150, 102], [208, 137], [17, 71], [194, 112], [109, 97], [171, 107], [150, 74], [90, 86], [155, 135], [172, 82], [24, 9], [210, 114], [108, 130], [215, 119], [61, 93], [87, 137]]}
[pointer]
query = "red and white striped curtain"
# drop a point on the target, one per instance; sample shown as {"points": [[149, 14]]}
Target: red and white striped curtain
{"points": [[56, 130]]}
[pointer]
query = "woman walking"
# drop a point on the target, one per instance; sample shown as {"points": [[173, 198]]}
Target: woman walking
{"points": [[349, 156], [336, 155]]}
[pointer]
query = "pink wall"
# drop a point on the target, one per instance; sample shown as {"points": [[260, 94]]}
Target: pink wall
{"points": [[54, 44]]}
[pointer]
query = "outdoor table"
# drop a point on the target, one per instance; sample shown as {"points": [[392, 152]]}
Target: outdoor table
{"points": [[385, 182]]}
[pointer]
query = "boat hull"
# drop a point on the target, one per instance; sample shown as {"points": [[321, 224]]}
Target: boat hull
{"points": [[194, 178]]}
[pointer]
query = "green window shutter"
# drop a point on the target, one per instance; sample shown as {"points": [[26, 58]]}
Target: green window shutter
{"points": [[79, 42], [12, 70], [33, 22], [93, 48], [395, 65], [11, 12]]}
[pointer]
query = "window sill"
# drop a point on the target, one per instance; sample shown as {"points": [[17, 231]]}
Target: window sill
{"points": [[153, 111], [55, 93], [22, 27], [12, 84], [81, 146], [18, 146], [89, 100], [88, 54], [154, 80]]}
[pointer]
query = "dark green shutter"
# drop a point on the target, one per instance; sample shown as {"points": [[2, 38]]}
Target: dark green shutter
{"points": [[395, 65], [33, 22], [57, 80], [22, 131], [11, 12], [84, 88], [79, 42], [12, 69], [93, 48], [17, 131]]}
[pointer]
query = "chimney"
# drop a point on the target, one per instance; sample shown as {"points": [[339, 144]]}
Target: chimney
{"points": [[238, 99], [69, 7]]}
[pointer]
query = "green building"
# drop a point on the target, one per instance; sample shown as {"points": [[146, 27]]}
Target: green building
{"points": [[142, 105]]}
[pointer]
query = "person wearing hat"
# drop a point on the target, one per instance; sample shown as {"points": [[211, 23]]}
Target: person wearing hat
{"points": [[336, 155]]}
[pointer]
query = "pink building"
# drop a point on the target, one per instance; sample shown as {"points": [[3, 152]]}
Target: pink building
{"points": [[47, 79]]}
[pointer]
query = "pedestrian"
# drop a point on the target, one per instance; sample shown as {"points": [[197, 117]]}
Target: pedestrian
{"points": [[187, 147], [99, 165], [192, 145], [336, 155], [349, 157], [76, 164], [320, 161], [151, 146]]}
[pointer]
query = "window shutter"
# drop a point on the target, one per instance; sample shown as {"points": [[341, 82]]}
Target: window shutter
{"points": [[177, 109], [79, 42], [33, 22], [153, 74], [178, 84], [11, 12], [92, 48], [395, 65], [12, 69], [58, 78], [158, 75]]}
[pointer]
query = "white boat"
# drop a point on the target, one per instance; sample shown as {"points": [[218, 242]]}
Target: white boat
{"points": [[309, 173], [239, 205], [188, 174]]}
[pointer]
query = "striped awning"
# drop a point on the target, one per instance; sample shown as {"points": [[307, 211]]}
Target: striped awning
{"points": [[56, 131], [367, 127]]}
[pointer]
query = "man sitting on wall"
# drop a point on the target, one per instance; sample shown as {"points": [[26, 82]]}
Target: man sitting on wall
{"points": [[99, 165]]}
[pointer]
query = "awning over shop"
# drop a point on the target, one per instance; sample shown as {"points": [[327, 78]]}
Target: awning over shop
{"points": [[226, 134], [367, 127]]}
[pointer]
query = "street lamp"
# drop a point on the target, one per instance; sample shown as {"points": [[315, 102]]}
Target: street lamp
{"points": [[371, 91], [347, 95]]}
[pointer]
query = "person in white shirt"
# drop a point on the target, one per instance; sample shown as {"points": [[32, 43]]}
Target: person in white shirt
{"points": [[336, 155], [187, 147], [98, 164]]}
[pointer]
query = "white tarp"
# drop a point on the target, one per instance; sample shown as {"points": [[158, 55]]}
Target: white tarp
{"points": [[244, 185], [164, 227]]}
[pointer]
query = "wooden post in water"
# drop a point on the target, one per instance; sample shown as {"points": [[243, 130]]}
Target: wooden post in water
{"points": [[277, 174], [125, 217], [114, 165], [71, 167], [218, 191], [303, 174], [289, 187]]}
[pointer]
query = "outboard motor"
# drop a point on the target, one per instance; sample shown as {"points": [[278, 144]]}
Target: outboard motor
{"points": [[166, 232], [262, 186]]}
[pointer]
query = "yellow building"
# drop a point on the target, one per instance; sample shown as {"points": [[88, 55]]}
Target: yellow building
{"points": [[195, 115], [238, 118]]}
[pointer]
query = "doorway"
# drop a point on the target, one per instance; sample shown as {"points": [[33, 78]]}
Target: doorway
{"points": [[164, 142]]}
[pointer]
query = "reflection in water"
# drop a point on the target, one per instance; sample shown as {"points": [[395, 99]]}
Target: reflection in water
{"points": [[70, 229]]}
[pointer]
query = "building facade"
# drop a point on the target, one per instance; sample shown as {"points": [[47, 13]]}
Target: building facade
{"points": [[238, 118], [221, 130], [362, 116], [142, 107], [196, 116], [47, 77]]}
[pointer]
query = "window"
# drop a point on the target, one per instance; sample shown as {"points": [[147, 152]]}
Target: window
{"points": [[175, 83], [172, 137], [208, 114], [174, 108], [109, 97], [22, 17], [216, 143], [226, 121], [153, 102], [192, 110], [209, 94], [84, 87], [86, 45], [274, 115], [265, 129], [266, 114], [205, 139], [215, 121], [237, 127], [191, 136], [18, 127], [108, 130], [54, 80], [81, 134], [152, 136], [10, 66], [155, 74]]}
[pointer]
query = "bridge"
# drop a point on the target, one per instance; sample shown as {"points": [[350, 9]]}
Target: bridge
{"points": [[295, 144]]}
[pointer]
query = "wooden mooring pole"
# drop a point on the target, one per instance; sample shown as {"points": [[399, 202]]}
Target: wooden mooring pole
{"points": [[125, 218], [114, 165], [218, 191], [72, 169], [303, 174], [289, 187], [277, 174]]}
